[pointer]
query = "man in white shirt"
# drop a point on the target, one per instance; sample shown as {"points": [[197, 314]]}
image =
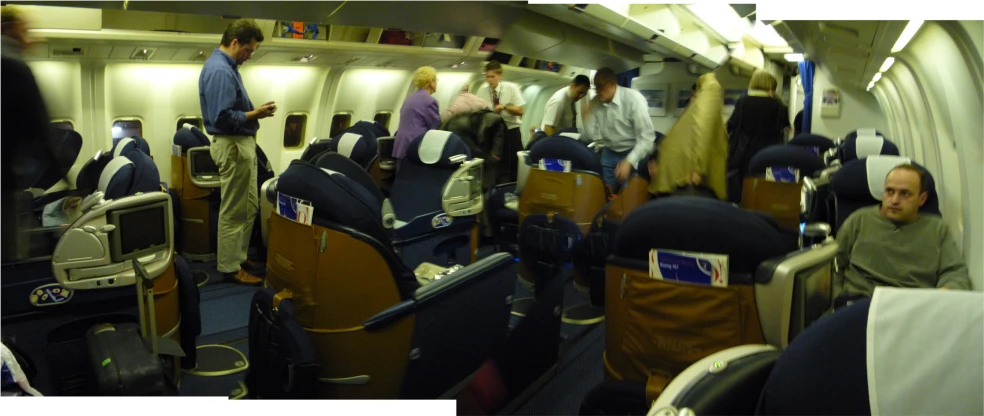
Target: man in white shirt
{"points": [[619, 118], [560, 111], [506, 100]]}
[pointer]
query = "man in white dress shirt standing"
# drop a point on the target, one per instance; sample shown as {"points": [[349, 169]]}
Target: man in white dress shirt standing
{"points": [[506, 100], [561, 111], [619, 118]]}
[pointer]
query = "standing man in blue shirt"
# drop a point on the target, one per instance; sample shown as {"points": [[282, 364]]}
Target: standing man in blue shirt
{"points": [[231, 119]]}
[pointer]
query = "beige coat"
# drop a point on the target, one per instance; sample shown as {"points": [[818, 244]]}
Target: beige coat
{"points": [[698, 142]]}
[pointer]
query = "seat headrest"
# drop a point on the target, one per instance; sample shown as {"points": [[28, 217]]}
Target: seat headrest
{"points": [[812, 140], [560, 147], [863, 181], [862, 132], [115, 179], [575, 136], [436, 147], [125, 144], [703, 225], [782, 155], [146, 177], [66, 144], [354, 146], [351, 169], [861, 147], [188, 137], [88, 178], [431, 146], [377, 129], [336, 198]]}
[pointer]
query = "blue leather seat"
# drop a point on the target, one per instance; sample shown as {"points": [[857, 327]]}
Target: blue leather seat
{"points": [[187, 138], [128, 143], [792, 156], [361, 148], [346, 255], [864, 146], [67, 144], [129, 173], [195, 204], [770, 302], [416, 200], [809, 140], [854, 134], [861, 183], [560, 147]]}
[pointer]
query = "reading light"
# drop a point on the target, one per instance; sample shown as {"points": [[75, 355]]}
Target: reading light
{"points": [[877, 77], [907, 34], [793, 57], [871, 85], [888, 64]]}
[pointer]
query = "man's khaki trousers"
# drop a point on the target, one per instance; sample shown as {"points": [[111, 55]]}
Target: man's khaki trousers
{"points": [[236, 158]]}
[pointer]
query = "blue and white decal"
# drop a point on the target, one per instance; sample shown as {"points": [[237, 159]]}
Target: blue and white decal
{"points": [[441, 221], [50, 295]]}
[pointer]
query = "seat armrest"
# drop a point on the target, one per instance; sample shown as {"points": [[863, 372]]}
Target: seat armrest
{"points": [[462, 194], [389, 315], [424, 224], [817, 229], [439, 290], [675, 398], [774, 282], [269, 189], [454, 282], [497, 197]]}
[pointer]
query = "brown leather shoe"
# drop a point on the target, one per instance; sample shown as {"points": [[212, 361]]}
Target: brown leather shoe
{"points": [[244, 278]]}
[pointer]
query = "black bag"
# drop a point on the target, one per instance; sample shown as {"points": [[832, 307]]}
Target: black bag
{"points": [[283, 361], [616, 398], [122, 364]]}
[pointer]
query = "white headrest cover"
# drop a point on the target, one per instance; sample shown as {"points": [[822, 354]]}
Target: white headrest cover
{"points": [[866, 132], [575, 136], [900, 322], [868, 145], [119, 146], [111, 168], [347, 143], [432, 146], [331, 172], [878, 168], [189, 126]]}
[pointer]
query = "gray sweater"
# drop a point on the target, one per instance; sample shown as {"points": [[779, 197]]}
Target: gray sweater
{"points": [[874, 251]]}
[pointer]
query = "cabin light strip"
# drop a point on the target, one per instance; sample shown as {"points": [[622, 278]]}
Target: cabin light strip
{"points": [[907, 34]]}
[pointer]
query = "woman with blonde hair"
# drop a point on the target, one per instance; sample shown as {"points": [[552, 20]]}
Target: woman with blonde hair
{"points": [[758, 121], [692, 157], [419, 112]]}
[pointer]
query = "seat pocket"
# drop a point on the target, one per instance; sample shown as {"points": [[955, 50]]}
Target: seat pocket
{"points": [[671, 325]]}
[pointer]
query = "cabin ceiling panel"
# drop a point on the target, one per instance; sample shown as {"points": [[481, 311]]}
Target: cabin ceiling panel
{"points": [[539, 37], [562, 13], [485, 18], [852, 51], [475, 18], [166, 54]]}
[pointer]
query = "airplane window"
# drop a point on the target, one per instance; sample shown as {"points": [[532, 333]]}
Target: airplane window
{"points": [[382, 117], [63, 124], [194, 121], [294, 130], [126, 128], [340, 122]]}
